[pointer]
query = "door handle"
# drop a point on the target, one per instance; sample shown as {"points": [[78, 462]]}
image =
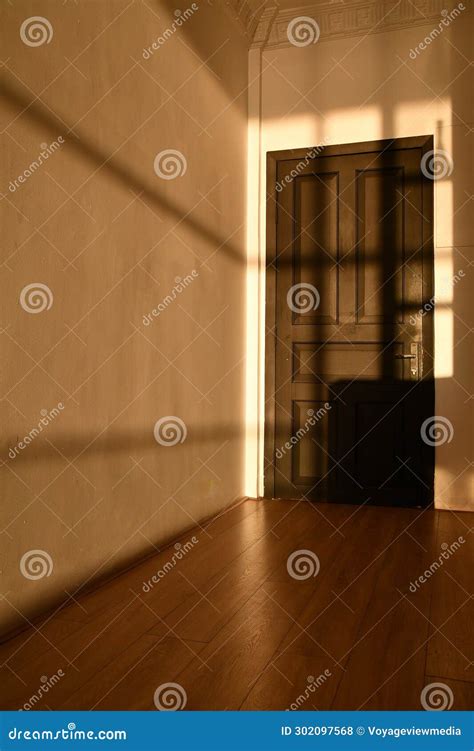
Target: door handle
{"points": [[415, 355]]}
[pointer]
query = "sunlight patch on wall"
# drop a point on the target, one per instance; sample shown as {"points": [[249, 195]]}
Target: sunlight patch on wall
{"points": [[443, 319], [421, 117], [352, 124], [292, 132], [297, 131], [255, 305]]}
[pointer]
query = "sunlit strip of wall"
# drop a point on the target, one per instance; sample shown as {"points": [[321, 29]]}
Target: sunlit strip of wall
{"points": [[254, 387]]}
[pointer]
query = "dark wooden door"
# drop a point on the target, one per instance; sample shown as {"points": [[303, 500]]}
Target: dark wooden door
{"points": [[349, 356]]}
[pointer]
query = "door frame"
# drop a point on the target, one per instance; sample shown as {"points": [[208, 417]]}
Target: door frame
{"points": [[425, 144]]}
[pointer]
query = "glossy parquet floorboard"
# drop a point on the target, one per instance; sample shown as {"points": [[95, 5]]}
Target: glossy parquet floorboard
{"points": [[231, 625]]}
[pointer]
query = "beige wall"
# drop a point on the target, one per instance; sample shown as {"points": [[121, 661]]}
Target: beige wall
{"points": [[109, 238], [365, 88]]}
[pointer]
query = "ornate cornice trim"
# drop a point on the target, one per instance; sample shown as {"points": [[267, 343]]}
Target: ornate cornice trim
{"points": [[246, 16], [336, 19], [264, 27]]}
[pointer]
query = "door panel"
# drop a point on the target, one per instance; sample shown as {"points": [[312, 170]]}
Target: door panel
{"points": [[308, 467], [346, 355], [380, 245], [316, 197]]}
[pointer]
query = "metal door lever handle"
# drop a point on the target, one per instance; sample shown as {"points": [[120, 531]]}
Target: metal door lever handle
{"points": [[415, 356]]}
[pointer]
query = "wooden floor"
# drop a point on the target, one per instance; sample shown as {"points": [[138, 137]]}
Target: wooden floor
{"points": [[230, 625]]}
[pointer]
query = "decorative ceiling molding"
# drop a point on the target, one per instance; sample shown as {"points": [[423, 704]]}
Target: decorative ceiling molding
{"points": [[247, 16], [264, 27], [333, 19]]}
